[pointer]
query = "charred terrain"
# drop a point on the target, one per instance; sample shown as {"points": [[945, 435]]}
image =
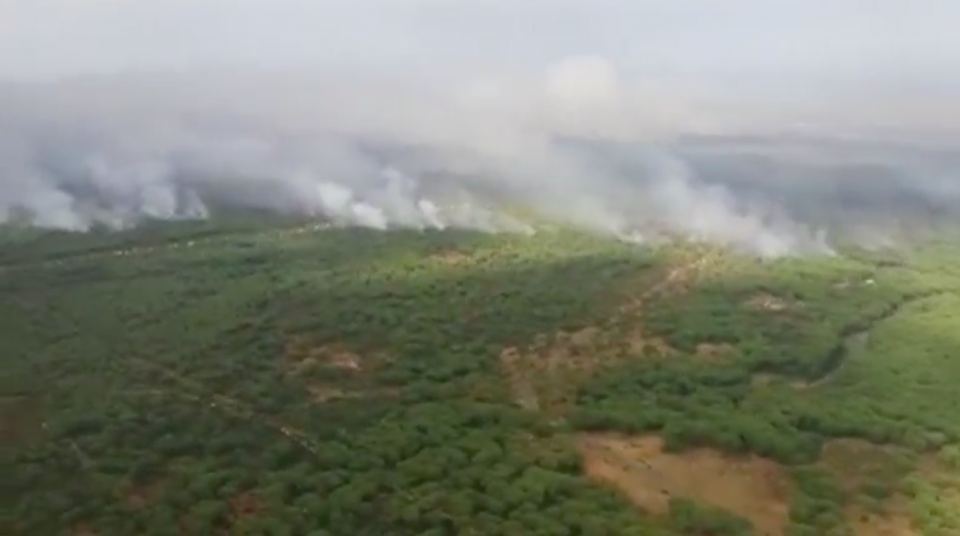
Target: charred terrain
{"points": [[261, 375]]}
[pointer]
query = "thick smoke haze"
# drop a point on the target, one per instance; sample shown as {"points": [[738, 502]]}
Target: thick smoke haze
{"points": [[787, 135]]}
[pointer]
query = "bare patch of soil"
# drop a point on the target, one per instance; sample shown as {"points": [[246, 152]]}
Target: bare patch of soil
{"points": [[761, 380], [300, 355], [582, 338], [754, 488], [452, 258], [769, 302], [343, 359], [322, 393], [678, 279], [894, 521], [640, 344]]}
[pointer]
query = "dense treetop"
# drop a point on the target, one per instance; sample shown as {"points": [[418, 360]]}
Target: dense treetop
{"points": [[259, 377]]}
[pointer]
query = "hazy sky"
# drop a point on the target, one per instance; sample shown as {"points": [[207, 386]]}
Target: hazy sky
{"points": [[524, 75], [904, 42]]}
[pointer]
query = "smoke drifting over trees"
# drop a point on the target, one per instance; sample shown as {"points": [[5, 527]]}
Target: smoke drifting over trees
{"points": [[583, 140]]}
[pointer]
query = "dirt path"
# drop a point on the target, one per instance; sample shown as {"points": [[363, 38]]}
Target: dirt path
{"points": [[227, 404], [675, 277], [541, 375]]}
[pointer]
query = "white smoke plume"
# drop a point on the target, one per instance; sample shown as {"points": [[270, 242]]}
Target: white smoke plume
{"points": [[606, 142]]}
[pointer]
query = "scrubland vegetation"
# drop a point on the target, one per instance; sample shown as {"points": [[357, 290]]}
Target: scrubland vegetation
{"points": [[256, 377]]}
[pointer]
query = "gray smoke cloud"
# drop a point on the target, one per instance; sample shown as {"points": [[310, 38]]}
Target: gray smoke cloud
{"points": [[606, 142]]}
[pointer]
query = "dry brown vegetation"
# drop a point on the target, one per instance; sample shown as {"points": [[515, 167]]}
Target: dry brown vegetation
{"points": [[751, 487]]}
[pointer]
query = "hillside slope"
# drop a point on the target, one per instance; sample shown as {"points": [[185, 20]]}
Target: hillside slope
{"points": [[268, 378]]}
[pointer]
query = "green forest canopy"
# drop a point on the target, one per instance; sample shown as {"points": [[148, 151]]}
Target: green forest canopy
{"points": [[253, 377]]}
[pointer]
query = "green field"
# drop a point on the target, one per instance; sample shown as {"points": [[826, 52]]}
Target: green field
{"points": [[253, 376]]}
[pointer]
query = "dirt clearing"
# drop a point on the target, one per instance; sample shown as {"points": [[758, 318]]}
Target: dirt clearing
{"points": [[754, 488], [894, 521]]}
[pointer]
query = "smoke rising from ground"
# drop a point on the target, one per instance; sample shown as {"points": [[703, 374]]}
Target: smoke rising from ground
{"points": [[771, 150], [578, 145]]}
